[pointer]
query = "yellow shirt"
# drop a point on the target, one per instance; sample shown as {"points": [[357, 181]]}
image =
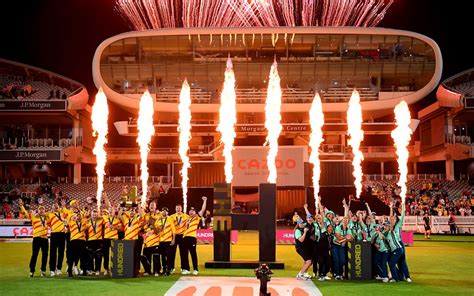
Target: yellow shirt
{"points": [[151, 238], [95, 229], [155, 216], [110, 233], [58, 221], [167, 229], [179, 222], [132, 226], [191, 226], [77, 229], [39, 223]]}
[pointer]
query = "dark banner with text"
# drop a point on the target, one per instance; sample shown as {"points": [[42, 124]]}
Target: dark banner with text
{"points": [[21, 106], [30, 155]]}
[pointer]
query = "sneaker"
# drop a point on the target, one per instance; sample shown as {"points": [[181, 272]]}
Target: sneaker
{"points": [[51, 273], [393, 281], [379, 278], [321, 279], [185, 272], [385, 280], [105, 272], [195, 272], [89, 272], [300, 276], [327, 278], [97, 273], [338, 278], [171, 271], [409, 280], [43, 273], [75, 270], [31, 274], [307, 275], [59, 272], [145, 274], [157, 274]]}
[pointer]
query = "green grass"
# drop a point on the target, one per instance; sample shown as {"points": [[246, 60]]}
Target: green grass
{"points": [[440, 266]]}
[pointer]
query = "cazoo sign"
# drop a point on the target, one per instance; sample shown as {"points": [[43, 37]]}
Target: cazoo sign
{"points": [[250, 165]]}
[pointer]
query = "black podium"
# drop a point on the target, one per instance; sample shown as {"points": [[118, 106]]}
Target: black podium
{"points": [[360, 260], [125, 260]]}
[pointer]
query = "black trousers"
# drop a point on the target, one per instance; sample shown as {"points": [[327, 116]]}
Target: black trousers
{"points": [[94, 251], [39, 243], [151, 254], [68, 241], [324, 262], [178, 242], [77, 251], [315, 257], [106, 245], [190, 244], [56, 255], [165, 251]]}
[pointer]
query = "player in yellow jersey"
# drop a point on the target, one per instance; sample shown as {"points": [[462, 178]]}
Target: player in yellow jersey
{"points": [[77, 225], [95, 232], [151, 252], [57, 222], [178, 219], [39, 221], [189, 238], [167, 239], [133, 223], [111, 228], [152, 212]]}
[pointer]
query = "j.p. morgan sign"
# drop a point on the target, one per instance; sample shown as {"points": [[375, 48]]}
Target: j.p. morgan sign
{"points": [[30, 155], [20, 106]]}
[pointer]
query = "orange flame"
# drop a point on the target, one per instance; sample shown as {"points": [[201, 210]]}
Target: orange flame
{"points": [[354, 126], [100, 115], [184, 129], [146, 129], [272, 120], [316, 119], [401, 137], [228, 118]]}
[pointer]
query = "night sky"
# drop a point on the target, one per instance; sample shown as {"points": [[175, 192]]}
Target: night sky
{"points": [[62, 35]]}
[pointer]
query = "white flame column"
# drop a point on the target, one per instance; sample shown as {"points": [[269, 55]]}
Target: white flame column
{"points": [[228, 118], [401, 137], [184, 129], [316, 119], [354, 126], [100, 115], [146, 129], [272, 121]]}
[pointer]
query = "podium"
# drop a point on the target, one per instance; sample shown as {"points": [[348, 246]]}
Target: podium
{"points": [[360, 260], [124, 258]]}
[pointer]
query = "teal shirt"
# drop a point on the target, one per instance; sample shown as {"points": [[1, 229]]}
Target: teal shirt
{"points": [[298, 233], [318, 230], [356, 230], [328, 222], [369, 231], [379, 241], [340, 230], [392, 240]]}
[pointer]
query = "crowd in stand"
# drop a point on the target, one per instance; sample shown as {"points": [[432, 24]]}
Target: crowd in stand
{"points": [[432, 198], [13, 91]]}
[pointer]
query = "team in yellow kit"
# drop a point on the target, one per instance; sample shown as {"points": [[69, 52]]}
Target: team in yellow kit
{"points": [[87, 236]]}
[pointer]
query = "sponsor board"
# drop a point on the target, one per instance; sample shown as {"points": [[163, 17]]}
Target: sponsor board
{"points": [[250, 165], [36, 105], [30, 155]]}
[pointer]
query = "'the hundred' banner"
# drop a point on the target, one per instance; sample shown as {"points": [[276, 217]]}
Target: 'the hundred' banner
{"points": [[250, 165]]}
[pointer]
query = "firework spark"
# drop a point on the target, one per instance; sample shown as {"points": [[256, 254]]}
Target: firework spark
{"points": [[273, 120], [228, 118], [147, 14], [184, 130], [401, 136], [100, 116], [316, 119], [146, 129], [354, 126]]}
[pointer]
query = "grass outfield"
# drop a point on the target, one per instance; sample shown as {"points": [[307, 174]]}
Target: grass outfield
{"points": [[440, 266]]}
